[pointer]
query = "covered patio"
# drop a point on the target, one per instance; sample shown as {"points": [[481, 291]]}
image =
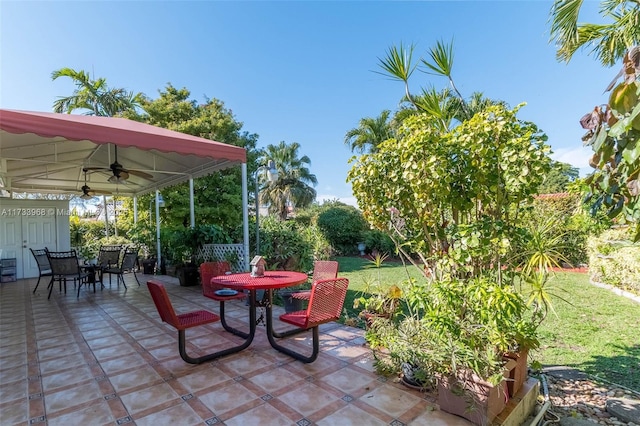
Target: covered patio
{"points": [[106, 358], [49, 153]]}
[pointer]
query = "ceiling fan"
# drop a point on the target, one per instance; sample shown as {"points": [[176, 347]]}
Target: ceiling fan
{"points": [[120, 174], [87, 192]]}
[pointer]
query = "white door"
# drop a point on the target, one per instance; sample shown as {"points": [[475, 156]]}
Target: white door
{"points": [[38, 232], [11, 239]]}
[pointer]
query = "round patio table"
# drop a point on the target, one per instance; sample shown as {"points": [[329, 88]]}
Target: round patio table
{"points": [[270, 281]]}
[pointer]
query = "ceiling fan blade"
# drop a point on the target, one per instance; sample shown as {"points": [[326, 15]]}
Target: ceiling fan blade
{"points": [[141, 174], [99, 192], [101, 169]]}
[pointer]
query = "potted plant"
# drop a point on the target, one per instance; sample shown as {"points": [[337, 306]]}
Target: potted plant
{"points": [[143, 235], [290, 303], [184, 244], [89, 252]]}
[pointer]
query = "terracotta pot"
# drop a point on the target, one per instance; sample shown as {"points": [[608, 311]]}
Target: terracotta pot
{"points": [[472, 398], [518, 375]]}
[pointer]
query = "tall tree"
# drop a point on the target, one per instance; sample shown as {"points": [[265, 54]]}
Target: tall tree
{"points": [[94, 96], [609, 41], [293, 186], [370, 133], [558, 178], [218, 197]]}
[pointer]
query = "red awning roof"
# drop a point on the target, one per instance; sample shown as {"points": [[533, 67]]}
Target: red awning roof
{"points": [[118, 131], [47, 152]]}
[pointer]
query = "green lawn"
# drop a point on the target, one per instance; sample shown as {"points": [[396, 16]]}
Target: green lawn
{"points": [[598, 332]]}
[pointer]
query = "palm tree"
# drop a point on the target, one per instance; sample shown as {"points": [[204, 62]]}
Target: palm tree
{"points": [[370, 133], [609, 41], [94, 96], [292, 186]]}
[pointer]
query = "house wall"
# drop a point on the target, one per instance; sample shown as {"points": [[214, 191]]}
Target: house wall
{"points": [[36, 224]]}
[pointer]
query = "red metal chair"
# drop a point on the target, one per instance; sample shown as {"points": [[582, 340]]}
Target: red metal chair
{"points": [[209, 270], [322, 270], [325, 305], [180, 322]]}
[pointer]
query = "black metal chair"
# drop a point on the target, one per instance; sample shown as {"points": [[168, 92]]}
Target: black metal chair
{"points": [[65, 267], [108, 257], [128, 263], [44, 269]]}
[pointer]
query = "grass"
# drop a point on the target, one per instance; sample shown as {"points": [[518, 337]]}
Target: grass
{"points": [[360, 270], [597, 332]]}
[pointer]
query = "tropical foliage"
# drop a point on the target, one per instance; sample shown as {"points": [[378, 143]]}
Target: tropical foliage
{"points": [[343, 226], [285, 246], [294, 185], [450, 189], [613, 129], [613, 132], [94, 96], [453, 193], [370, 133], [217, 197], [559, 178], [608, 41]]}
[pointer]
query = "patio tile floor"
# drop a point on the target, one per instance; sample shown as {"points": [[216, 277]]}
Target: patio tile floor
{"points": [[106, 359]]}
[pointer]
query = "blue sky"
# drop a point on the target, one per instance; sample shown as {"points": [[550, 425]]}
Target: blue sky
{"points": [[302, 71]]}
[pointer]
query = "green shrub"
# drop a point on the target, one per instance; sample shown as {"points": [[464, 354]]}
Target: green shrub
{"points": [[283, 246], [572, 223], [615, 260], [182, 243], [343, 226], [322, 250], [379, 242]]}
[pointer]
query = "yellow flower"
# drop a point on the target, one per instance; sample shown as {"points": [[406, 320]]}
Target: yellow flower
{"points": [[394, 292]]}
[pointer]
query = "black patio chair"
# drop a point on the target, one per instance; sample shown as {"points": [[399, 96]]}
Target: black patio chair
{"points": [[128, 263], [44, 269], [65, 267], [108, 257]]}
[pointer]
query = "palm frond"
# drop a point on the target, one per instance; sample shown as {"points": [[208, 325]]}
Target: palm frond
{"points": [[441, 59], [564, 27], [398, 63]]}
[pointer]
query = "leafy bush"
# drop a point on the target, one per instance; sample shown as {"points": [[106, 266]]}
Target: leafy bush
{"points": [[87, 236], [283, 246], [182, 243], [379, 242], [322, 250], [615, 260], [343, 226], [572, 226]]}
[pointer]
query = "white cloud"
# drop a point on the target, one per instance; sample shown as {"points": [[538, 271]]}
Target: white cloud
{"points": [[577, 157]]}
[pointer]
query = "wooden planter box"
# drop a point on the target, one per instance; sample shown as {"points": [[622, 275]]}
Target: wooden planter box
{"points": [[518, 375], [472, 398]]}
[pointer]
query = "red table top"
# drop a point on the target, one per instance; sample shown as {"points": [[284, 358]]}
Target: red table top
{"points": [[270, 280]]}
